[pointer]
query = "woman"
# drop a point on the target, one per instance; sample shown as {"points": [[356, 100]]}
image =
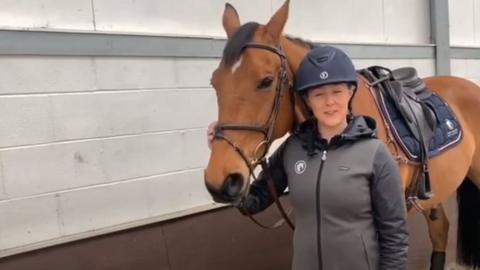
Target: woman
{"points": [[344, 185]]}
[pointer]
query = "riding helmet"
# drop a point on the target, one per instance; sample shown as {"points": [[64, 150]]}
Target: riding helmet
{"points": [[325, 65]]}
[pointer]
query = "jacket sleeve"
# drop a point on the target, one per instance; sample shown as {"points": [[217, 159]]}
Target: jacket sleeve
{"points": [[389, 211], [260, 197]]}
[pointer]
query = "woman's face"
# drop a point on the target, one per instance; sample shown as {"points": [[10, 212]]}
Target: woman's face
{"points": [[329, 103]]}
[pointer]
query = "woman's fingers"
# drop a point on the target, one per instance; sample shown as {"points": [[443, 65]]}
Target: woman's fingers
{"points": [[210, 133]]}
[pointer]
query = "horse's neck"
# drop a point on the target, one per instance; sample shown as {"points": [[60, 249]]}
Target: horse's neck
{"points": [[295, 54]]}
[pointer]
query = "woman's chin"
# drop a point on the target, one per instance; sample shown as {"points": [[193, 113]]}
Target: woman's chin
{"points": [[330, 123]]}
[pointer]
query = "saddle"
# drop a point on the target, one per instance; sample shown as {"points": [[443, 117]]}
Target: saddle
{"points": [[407, 92]]}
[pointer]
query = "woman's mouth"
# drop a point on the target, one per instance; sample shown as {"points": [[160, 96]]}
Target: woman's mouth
{"points": [[330, 113]]}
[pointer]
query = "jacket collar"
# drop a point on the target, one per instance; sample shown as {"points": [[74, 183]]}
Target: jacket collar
{"points": [[359, 127]]}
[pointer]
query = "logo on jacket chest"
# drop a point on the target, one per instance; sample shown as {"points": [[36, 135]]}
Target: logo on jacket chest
{"points": [[300, 166]]}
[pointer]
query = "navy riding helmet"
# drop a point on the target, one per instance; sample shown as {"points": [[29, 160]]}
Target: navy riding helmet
{"points": [[325, 65]]}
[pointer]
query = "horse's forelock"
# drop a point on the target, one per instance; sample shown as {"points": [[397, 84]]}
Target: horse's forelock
{"points": [[234, 46]]}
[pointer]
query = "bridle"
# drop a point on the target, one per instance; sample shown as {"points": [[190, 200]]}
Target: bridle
{"points": [[267, 131]]}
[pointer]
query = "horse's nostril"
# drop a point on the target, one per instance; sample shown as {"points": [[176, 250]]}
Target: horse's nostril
{"points": [[230, 191], [233, 185]]}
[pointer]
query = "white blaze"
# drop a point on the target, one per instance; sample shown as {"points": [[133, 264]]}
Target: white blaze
{"points": [[237, 65]]}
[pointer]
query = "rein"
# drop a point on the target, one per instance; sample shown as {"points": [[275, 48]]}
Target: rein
{"points": [[267, 131]]}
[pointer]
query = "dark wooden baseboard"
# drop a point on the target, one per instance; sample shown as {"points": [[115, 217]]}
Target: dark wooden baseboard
{"points": [[215, 240]]}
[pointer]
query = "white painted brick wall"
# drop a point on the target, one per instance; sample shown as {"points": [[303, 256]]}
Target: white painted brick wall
{"points": [[332, 20], [381, 21], [473, 68], [89, 114], [135, 72], [104, 114], [384, 21], [52, 167], [194, 73], [476, 8], [464, 20], [196, 150], [389, 63], [47, 14], [25, 120], [99, 207], [190, 17], [466, 68], [372, 21], [28, 221], [163, 198], [407, 21], [40, 74], [425, 67], [458, 67], [168, 110], [135, 156], [63, 166], [3, 194]]}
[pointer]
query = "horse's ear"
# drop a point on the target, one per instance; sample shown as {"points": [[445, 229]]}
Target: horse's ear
{"points": [[278, 21], [231, 20]]}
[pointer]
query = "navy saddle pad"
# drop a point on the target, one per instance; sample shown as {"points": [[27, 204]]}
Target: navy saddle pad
{"points": [[447, 134]]}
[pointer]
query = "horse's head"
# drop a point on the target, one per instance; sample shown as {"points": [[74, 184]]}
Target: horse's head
{"points": [[252, 86]]}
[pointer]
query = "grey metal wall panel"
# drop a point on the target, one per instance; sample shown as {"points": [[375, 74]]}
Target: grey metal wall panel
{"points": [[441, 35], [89, 44], [465, 53]]}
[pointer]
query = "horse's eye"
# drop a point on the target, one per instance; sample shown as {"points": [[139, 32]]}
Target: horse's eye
{"points": [[265, 83]]}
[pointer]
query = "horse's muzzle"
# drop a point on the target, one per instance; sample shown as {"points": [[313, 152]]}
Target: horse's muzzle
{"points": [[230, 191]]}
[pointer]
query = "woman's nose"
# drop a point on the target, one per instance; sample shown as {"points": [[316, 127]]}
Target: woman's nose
{"points": [[329, 99]]}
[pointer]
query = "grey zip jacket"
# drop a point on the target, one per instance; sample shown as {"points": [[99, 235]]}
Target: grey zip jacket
{"points": [[347, 197]]}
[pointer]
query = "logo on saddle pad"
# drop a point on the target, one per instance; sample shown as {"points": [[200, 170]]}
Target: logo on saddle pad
{"points": [[452, 130], [300, 166], [449, 124], [324, 75]]}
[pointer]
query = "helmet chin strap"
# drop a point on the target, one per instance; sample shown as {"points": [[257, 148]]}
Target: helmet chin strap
{"points": [[350, 113]]}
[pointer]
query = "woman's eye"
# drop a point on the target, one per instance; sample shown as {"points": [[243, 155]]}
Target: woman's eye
{"points": [[265, 83]]}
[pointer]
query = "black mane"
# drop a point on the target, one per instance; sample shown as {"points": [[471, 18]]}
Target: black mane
{"points": [[305, 43]]}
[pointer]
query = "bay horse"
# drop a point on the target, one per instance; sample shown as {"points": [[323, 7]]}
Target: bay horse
{"points": [[257, 105]]}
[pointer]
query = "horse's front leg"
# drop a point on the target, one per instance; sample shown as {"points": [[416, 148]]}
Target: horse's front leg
{"points": [[438, 225]]}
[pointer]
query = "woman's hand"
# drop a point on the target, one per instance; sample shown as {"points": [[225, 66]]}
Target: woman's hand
{"points": [[211, 133]]}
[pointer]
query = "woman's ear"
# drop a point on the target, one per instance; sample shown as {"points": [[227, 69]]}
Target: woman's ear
{"points": [[352, 90], [306, 100]]}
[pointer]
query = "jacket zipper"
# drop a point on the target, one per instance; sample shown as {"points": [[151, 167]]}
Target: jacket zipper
{"points": [[319, 247]]}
